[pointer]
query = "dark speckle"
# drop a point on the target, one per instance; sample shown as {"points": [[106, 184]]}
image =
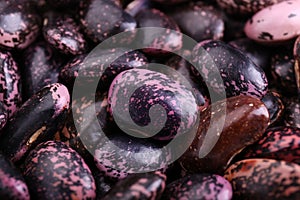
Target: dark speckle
{"points": [[265, 36], [55, 171], [292, 15]]}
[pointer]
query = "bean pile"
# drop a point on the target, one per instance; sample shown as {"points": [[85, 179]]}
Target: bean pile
{"points": [[243, 143]]}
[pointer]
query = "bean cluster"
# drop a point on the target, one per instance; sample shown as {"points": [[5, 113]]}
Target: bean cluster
{"points": [[231, 102]]}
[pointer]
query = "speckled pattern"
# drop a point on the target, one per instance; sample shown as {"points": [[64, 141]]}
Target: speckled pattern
{"points": [[239, 74], [246, 119], [292, 112], [153, 88], [10, 83], [41, 67], [93, 67], [282, 70], [147, 186], [198, 20], [158, 43], [36, 121], [199, 186], [64, 34], [81, 112], [276, 23], [275, 106], [245, 7], [23, 28], [3, 116], [55, 171], [12, 184], [101, 19], [259, 54], [264, 179], [70, 71], [184, 68], [280, 143], [113, 161], [82, 115]]}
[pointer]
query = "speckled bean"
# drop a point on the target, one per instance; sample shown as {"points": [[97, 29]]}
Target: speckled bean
{"points": [[161, 42], [36, 121], [239, 73], [264, 179], [276, 23], [10, 83], [151, 88], [41, 67], [199, 186], [140, 186], [62, 33], [55, 171], [280, 143], [19, 25]]}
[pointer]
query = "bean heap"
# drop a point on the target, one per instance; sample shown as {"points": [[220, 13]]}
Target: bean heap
{"points": [[243, 131]]}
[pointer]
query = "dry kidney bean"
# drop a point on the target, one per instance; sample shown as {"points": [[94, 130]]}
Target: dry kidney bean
{"points": [[139, 186], [154, 88], [103, 18], [239, 73], [112, 161], [36, 121], [259, 54], [262, 85], [202, 186], [128, 60], [184, 68], [274, 24], [162, 42], [282, 70], [19, 25], [199, 21], [62, 33], [41, 67], [83, 106], [264, 179], [204, 21], [246, 119], [54, 170], [10, 83], [280, 143]]}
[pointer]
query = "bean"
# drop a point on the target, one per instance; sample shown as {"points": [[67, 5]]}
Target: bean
{"points": [[124, 150]]}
